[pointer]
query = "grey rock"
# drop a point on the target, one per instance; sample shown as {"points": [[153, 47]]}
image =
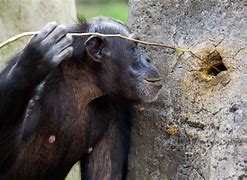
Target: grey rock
{"points": [[197, 128]]}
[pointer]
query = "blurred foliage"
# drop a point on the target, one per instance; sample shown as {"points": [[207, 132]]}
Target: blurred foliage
{"points": [[117, 9]]}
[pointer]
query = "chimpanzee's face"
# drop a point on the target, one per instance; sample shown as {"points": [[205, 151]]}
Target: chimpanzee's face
{"points": [[124, 69], [137, 78]]}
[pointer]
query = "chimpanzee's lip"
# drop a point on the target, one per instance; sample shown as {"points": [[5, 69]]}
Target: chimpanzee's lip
{"points": [[153, 80]]}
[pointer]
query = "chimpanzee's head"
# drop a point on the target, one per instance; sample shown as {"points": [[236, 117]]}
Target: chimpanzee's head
{"points": [[123, 69]]}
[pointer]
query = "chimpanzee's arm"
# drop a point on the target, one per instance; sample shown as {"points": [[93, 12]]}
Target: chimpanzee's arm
{"points": [[19, 79], [108, 159]]}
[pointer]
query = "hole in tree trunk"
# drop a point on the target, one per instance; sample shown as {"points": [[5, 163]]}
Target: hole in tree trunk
{"points": [[215, 64], [216, 69]]}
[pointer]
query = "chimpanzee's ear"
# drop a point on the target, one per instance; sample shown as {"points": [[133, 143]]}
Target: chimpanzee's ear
{"points": [[95, 47]]}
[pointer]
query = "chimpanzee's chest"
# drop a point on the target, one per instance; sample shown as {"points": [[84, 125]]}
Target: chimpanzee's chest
{"points": [[58, 143]]}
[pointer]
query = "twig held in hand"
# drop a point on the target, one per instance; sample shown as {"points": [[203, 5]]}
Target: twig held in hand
{"points": [[24, 34]]}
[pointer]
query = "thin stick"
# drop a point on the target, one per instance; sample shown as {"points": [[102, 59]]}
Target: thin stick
{"points": [[12, 39], [24, 34]]}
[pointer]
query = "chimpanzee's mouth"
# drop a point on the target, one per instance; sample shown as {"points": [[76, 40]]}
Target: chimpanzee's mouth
{"points": [[153, 80], [153, 86]]}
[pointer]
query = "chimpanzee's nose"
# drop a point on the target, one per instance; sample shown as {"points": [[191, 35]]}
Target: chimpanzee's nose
{"points": [[153, 74], [148, 60]]}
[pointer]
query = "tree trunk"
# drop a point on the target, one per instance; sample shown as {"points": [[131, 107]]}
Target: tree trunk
{"points": [[17, 16], [197, 128]]}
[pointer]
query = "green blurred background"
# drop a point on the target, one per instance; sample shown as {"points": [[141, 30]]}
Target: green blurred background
{"points": [[117, 9]]}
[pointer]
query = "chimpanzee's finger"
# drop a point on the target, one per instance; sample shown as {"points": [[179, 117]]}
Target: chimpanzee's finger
{"points": [[55, 35], [58, 58], [63, 43], [45, 31]]}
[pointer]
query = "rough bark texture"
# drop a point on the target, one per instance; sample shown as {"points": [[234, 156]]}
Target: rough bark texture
{"points": [[17, 16], [197, 128]]}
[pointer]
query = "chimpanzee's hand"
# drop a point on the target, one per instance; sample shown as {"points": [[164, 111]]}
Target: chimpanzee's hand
{"points": [[47, 49]]}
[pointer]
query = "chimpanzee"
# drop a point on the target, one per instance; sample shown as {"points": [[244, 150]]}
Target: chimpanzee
{"points": [[79, 110]]}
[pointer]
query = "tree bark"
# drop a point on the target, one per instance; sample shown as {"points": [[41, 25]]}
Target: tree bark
{"points": [[197, 128], [17, 16]]}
